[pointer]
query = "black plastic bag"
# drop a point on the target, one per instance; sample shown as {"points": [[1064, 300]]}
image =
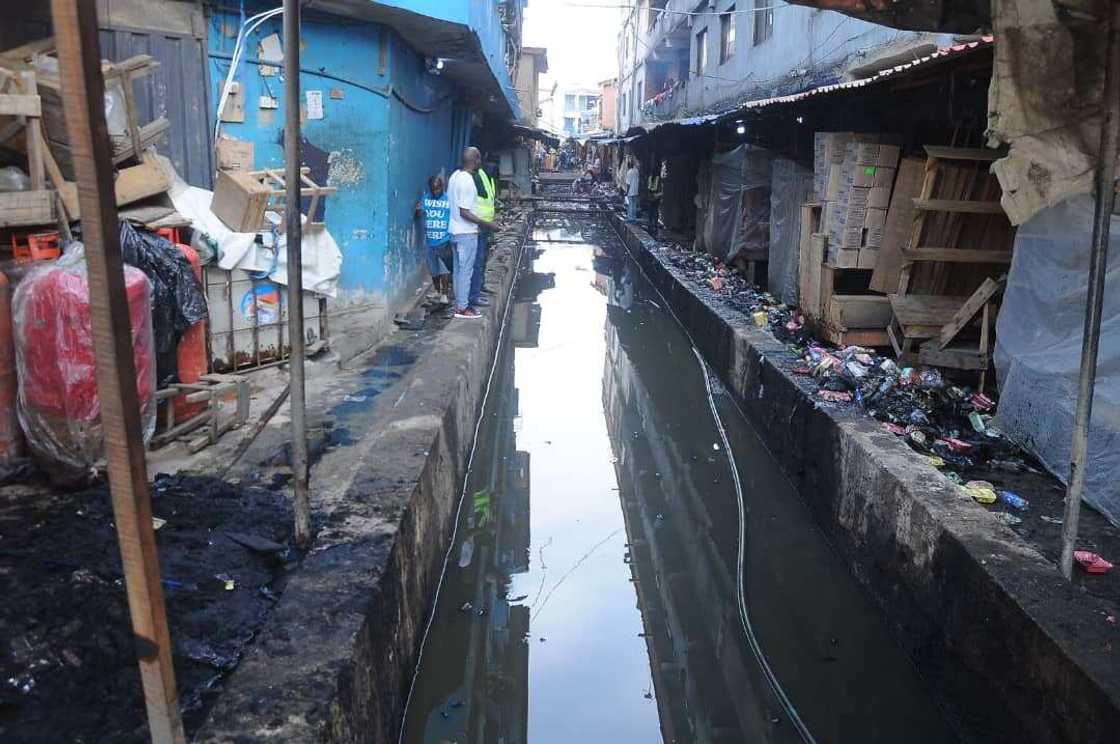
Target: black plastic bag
{"points": [[178, 300]]}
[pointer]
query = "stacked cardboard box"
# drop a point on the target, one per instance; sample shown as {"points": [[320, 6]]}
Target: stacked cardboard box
{"points": [[853, 176]]}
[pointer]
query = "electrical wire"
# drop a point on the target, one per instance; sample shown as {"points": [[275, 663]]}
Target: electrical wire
{"points": [[670, 11], [463, 490], [744, 609]]}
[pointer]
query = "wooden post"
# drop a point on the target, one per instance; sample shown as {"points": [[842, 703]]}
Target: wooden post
{"points": [[75, 29], [294, 250]]}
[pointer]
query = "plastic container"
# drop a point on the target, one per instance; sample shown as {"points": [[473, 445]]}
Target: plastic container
{"points": [[191, 352], [11, 438], [58, 405]]}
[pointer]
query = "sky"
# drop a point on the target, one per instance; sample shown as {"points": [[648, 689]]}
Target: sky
{"points": [[580, 40]]}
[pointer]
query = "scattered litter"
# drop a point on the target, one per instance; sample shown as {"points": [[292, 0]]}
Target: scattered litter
{"points": [[466, 552], [1008, 518], [1091, 562], [227, 581], [1051, 520], [355, 398], [157, 523], [981, 491], [1013, 500], [256, 543]]}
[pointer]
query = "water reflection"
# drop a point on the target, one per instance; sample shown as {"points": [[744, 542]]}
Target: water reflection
{"points": [[595, 599]]}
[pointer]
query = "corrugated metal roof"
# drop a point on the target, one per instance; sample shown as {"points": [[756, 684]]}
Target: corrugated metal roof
{"points": [[940, 55]]}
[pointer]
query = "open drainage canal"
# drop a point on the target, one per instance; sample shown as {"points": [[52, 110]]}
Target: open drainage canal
{"points": [[592, 592]]}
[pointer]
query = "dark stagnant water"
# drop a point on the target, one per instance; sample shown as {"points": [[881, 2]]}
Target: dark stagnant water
{"points": [[591, 593]]}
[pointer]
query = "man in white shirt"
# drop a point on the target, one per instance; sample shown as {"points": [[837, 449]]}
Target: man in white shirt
{"points": [[633, 184], [463, 195]]}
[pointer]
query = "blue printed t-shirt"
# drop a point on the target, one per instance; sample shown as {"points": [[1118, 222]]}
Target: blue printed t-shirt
{"points": [[437, 216]]}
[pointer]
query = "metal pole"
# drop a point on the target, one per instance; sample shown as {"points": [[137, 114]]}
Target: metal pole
{"points": [[1098, 266], [83, 95], [294, 234]]}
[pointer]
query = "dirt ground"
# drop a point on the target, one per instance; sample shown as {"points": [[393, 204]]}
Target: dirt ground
{"points": [[68, 662]]}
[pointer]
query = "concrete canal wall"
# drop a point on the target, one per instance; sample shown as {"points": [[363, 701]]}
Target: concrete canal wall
{"points": [[1015, 651], [335, 659]]}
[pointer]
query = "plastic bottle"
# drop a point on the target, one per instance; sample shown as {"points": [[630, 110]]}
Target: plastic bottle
{"points": [[1013, 500]]}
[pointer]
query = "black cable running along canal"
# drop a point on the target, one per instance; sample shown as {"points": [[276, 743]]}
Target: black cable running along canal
{"points": [[618, 573]]}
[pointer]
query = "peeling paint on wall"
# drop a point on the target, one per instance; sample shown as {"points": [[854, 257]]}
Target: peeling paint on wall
{"points": [[344, 168]]}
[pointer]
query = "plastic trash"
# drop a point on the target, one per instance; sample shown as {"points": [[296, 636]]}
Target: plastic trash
{"points": [[13, 179], [1091, 562], [981, 491], [1013, 500], [178, 300]]}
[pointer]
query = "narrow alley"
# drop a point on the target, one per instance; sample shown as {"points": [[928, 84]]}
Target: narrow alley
{"points": [[591, 587], [559, 372]]}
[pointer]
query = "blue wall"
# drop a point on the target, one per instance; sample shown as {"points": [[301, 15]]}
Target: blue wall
{"points": [[373, 147]]}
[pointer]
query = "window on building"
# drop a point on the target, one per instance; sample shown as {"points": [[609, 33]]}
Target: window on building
{"points": [[763, 20], [702, 52], [570, 102], [727, 35]]}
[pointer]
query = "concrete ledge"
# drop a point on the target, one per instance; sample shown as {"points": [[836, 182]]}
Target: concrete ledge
{"points": [[1017, 653], [336, 656]]}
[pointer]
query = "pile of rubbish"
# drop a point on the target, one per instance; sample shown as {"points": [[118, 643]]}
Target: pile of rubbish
{"points": [[948, 424]]}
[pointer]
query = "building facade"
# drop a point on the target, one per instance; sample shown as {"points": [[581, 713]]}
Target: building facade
{"points": [[404, 85], [572, 110], [533, 64], [608, 104], [685, 57]]}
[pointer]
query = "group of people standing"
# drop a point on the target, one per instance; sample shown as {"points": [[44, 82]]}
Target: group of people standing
{"points": [[458, 221]]}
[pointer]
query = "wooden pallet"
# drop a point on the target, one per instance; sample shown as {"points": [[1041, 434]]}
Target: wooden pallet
{"points": [[216, 391]]}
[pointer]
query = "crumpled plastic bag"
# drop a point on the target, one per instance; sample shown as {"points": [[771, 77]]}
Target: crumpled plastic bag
{"points": [[178, 300]]}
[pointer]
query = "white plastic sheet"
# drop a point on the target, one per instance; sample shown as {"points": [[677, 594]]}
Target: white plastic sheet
{"points": [[790, 186], [1038, 351]]}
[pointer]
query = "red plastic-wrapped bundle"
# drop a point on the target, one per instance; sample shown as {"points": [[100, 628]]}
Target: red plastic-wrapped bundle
{"points": [[192, 349], [59, 408]]}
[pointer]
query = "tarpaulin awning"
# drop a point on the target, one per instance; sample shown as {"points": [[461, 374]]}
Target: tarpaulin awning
{"points": [[535, 133]]}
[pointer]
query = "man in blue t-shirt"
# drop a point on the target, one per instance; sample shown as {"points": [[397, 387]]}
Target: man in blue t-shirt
{"points": [[435, 209]]}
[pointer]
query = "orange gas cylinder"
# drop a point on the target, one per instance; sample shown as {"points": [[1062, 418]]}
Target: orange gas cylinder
{"points": [[192, 349], [11, 438]]}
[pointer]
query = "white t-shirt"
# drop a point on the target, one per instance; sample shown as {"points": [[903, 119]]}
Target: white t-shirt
{"points": [[632, 182], [462, 194]]}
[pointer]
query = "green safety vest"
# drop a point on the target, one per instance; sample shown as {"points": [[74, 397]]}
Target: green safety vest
{"points": [[654, 186], [485, 208]]}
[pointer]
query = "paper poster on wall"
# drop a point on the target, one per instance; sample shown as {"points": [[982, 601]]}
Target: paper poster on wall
{"points": [[314, 104]]}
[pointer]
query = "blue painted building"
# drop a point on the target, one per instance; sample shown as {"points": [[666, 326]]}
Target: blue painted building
{"points": [[714, 53], [404, 85]]}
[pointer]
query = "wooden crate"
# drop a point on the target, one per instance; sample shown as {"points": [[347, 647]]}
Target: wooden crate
{"points": [[242, 197], [20, 208], [240, 200]]}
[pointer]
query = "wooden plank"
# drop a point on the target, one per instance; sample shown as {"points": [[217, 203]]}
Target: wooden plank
{"points": [[240, 200], [978, 154], [140, 182], [859, 311], [924, 310], [857, 337], [19, 208], [809, 265], [967, 311], [19, 104], [75, 27], [953, 358], [956, 255], [900, 219], [813, 258], [958, 206], [67, 190]]}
